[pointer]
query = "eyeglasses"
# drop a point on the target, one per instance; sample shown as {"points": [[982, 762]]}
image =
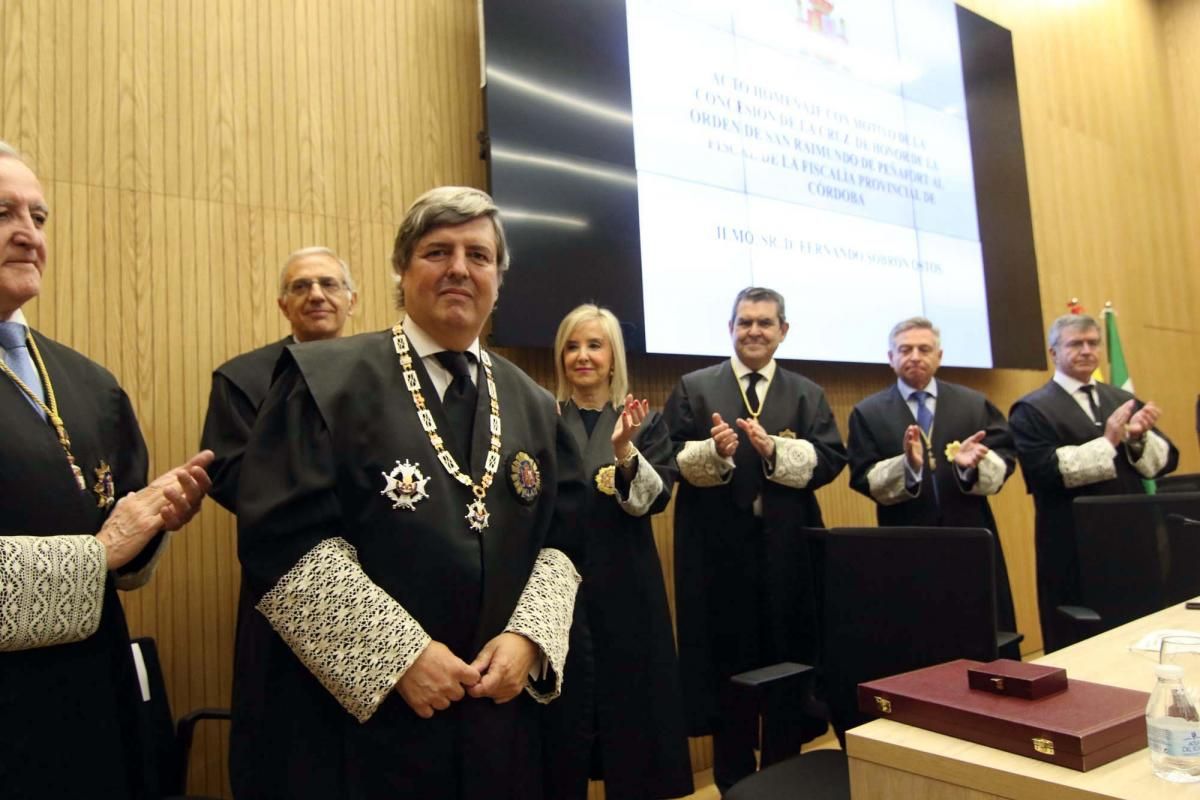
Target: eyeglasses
{"points": [[302, 286]]}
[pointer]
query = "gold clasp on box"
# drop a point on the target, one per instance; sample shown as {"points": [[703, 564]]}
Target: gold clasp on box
{"points": [[1043, 746], [998, 684], [883, 704]]}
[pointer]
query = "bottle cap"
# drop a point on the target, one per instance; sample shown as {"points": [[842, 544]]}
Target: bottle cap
{"points": [[1170, 671]]}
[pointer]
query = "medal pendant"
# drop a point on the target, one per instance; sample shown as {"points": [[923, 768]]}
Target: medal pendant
{"points": [[932, 462], [79, 481], [477, 515]]}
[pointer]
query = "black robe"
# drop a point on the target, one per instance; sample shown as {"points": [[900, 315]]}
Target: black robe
{"points": [[633, 703], [239, 387], [1043, 421], [337, 418], [69, 713], [744, 597], [877, 426]]}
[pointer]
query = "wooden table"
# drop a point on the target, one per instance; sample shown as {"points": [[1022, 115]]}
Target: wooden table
{"points": [[892, 760]]}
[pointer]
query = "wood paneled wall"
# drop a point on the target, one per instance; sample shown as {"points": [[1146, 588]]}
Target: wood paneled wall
{"points": [[186, 147]]}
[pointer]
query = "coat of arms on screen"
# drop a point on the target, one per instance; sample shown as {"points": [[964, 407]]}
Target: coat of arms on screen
{"points": [[818, 17]]}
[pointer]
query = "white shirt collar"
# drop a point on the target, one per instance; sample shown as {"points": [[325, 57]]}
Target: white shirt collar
{"points": [[1070, 384], [906, 390], [18, 316], [425, 345], [741, 370]]}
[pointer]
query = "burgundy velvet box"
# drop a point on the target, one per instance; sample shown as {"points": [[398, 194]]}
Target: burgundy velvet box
{"points": [[1086, 725], [1017, 679]]}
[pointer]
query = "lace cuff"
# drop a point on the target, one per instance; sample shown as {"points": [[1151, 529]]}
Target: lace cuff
{"points": [[51, 589], [990, 475], [351, 634], [544, 612], [643, 489], [795, 461], [1086, 463], [888, 481], [136, 580], [700, 465], [1155, 452]]}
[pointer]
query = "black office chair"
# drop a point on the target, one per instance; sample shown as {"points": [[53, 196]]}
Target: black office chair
{"points": [[892, 600], [167, 743], [1136, 555]]}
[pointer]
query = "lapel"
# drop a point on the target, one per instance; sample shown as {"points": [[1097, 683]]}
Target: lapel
{"points": [[1073, 419], [596, 449], [779, 407]]}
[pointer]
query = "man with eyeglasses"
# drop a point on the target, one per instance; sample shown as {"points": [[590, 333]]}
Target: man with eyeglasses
{"points": [[1076, 436], [316, 296]]}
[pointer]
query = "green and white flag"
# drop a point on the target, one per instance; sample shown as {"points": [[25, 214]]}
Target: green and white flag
{"points": [[1118, 370]]}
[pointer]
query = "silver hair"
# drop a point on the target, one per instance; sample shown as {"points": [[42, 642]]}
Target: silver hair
{"points": [[445, 205], [914, 323], [1081, 321], [305, 252]]}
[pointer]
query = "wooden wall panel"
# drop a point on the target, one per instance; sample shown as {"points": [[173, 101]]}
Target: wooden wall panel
{"points": [[187, 147]]}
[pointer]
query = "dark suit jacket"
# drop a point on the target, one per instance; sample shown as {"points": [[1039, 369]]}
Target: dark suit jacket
{"points": [[744, 586], [877, 426], [1043, 421]]}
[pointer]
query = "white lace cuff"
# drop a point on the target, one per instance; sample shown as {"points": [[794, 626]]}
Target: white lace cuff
{"points": [[351, 634], [136, 580], [544, 612], [1155, 452], [990, 475], [887, 481], [51, 589], [795, 461], [643, 489], [700, 465], [1090, 462]]}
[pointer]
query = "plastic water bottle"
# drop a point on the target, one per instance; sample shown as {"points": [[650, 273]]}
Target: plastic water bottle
{"points": [[1173, 728]]}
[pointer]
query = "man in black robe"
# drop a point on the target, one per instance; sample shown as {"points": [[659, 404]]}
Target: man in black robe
{"points": [[936, 477], [316, 297], [76, 524], [402, 501], [1076, 436], [755, 442]]}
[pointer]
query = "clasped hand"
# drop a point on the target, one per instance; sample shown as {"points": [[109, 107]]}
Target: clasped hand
{"points": [[726, 438], [1124, 422], [438, 677], [167, 503]]}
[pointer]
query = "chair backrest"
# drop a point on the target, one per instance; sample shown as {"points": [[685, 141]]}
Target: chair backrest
{"points": [[1179, 483], [1133, 558], [896, 599]]}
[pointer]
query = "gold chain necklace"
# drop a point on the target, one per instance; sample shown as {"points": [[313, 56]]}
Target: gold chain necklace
{"points": [[50, 411], [477, 513], [746, 398]]}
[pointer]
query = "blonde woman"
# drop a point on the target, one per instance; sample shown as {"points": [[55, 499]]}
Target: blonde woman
{"points": [[624, 721]]}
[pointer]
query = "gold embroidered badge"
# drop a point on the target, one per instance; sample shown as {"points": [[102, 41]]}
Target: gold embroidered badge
{"points": [[606, 479], [525, 476]]}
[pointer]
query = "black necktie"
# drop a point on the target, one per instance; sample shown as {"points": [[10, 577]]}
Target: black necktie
{"points": [[751, 392], [459, 405], [1090, 391]]}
